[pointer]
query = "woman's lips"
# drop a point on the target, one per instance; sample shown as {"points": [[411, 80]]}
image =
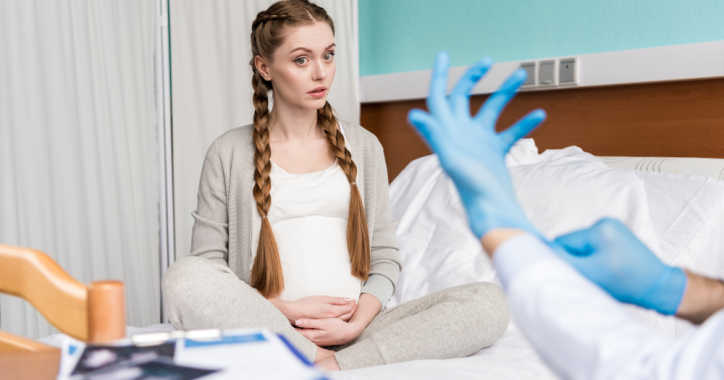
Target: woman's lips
{"points": [[318, 92]]}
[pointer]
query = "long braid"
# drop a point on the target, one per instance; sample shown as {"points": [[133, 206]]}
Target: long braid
{"points": [[266, 274], [262, 153], [358, 242]]}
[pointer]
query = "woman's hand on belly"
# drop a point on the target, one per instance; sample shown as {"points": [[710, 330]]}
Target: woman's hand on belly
{"points": [[316, 307], [328, 331], [335, 331]]}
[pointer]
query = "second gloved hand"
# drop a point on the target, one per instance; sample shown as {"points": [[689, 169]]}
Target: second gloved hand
{"points": [[612, 257]]}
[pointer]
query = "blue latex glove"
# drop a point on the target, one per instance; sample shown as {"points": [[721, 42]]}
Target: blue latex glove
{"points": [[469, 149], [612, 257]]}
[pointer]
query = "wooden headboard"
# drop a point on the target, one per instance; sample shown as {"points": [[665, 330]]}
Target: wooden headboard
{"points": [[671, 119]]}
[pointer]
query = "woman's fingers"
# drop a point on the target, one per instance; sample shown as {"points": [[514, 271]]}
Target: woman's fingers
{"points": [[324, 332], [310, 334], [312, 324], [325, 306], [354, 309], [346, 317], [340, 300], [337, 310]]}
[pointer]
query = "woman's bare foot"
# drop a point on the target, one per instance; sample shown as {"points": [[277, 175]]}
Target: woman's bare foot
{"points": [[329, 364], [323, 353], [325, 359]]}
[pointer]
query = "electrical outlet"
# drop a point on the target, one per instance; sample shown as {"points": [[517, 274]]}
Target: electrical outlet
{"points": [[567, 71], [546, 73], [529, 68]]}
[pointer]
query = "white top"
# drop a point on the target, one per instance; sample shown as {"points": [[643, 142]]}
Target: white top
{"points": [[308, 215], [583, 333]]}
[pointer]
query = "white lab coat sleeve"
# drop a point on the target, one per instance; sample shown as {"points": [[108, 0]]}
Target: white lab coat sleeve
{"points": [[583, 333]]}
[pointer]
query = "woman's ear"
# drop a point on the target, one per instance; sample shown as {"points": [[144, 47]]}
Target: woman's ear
{"points": [[262, 67]]}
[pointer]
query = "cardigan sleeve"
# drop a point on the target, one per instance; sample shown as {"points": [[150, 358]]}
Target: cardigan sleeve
{"points": [[384, 254], [210, 233]]}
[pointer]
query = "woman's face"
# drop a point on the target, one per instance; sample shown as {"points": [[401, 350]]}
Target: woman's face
{"points": [[302, 68]]}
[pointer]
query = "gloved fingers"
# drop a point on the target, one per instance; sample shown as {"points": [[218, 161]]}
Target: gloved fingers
{"points": [[579, 242], [608, 228], [581, 261], [460, 95], [436, 100], [489, 112], [521, 128], [428, 127], [611, 231]]}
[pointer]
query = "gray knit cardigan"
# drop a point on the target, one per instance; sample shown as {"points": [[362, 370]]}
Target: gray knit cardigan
{"points": [[226, 221]]}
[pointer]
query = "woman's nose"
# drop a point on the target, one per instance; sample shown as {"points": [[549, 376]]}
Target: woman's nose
{"points": [[319, 71]]}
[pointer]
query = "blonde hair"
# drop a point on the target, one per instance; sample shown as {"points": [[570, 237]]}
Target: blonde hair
{"points": [[266, 36]]}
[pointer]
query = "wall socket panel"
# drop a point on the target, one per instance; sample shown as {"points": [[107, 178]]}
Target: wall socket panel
{"points": [[547, 73], [567, 71], [529, 68], [562, 72]]}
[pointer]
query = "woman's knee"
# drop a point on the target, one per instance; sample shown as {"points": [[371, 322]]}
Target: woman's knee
{"points": [[183, 285], [486, 313], [490, 305], [199, 293]]}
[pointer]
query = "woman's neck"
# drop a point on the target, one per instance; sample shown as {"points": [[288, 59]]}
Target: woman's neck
{"points": [[292, 123]]}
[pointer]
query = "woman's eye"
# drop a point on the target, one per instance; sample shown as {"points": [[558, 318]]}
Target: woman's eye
{"points": [[300, 60], [329, 56]]}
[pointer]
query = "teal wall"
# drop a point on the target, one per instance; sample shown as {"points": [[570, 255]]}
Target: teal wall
{"points": [[404, 35]]}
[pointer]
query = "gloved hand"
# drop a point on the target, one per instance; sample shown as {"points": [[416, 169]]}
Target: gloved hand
{"points": [[469, 149], [612, 257]]}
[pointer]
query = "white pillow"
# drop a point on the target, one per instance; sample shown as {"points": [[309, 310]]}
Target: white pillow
{"points": [[568, 189], [523, 152], [679, 217], [688, 216], [560, 190], [437, 248]]}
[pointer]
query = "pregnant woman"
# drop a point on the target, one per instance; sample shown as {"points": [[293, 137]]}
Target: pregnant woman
{"points": [[292, 230]]}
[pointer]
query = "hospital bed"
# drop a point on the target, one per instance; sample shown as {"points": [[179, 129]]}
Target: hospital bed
{"points": [[676, 213], [676, 205], [624, 151]]}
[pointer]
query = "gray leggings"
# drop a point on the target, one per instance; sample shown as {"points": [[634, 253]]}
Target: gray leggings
{"points": [[454, 322]]}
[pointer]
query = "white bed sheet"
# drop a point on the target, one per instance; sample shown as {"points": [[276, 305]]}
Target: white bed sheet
{"points": [[512, 357]]}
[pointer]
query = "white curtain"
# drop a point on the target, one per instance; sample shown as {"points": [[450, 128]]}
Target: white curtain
{"points": [[212, 83], [78, 146]]}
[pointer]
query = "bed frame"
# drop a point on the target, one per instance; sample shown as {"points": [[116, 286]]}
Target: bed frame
{"points": [[665, 119]]}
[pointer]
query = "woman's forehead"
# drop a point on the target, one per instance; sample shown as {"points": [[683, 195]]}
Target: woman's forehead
{"points": [[315, 37]]}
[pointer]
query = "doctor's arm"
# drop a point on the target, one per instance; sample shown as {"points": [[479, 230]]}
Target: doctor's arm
{"points": [[578, 329], [703, 297], [608, 238], [581, 332], [611, 256]]}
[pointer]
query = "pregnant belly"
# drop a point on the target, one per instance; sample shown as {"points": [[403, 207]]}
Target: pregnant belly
{"points": [[314, 256]]}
